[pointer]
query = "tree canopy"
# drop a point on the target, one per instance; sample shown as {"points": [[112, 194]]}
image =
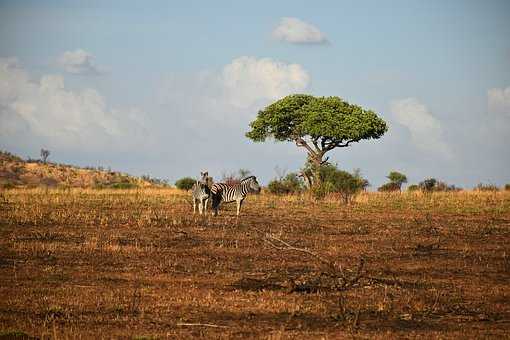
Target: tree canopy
{"points": [[318, 124]]}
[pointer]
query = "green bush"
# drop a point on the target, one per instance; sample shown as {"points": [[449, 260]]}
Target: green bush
{"points": [[339, 181], [392, 186], [346, 184], [413, 187], [432, 184], [185, 183], [290, 184]]}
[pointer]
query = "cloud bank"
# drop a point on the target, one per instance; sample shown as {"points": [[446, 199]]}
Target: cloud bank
{"points": [[79, 62], [51, 114], [233, 94], [296, 31]]}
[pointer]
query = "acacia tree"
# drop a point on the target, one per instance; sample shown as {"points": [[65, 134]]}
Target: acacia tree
{"points": [[397, 178], [317, 124]]}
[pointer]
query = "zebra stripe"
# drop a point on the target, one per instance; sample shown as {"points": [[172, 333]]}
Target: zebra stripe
{"points": [[222, 192]]}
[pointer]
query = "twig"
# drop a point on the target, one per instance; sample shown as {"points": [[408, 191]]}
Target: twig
{"points": [[200, 325], [270, 239]]}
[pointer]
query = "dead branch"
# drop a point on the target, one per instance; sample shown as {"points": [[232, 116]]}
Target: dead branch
{"points": [[334, 279], [200, 325]]}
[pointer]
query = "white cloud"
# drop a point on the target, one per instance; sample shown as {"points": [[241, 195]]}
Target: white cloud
{"points": [[296, 31], [247, 80], [234, 94], [425, 129], [79, 62], [45, 109], [499, 101]]}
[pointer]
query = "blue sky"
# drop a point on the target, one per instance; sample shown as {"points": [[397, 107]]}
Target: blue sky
{"points": [[169, 88]]}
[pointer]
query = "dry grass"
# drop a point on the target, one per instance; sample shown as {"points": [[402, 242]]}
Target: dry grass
{"points": [[136, 263]]}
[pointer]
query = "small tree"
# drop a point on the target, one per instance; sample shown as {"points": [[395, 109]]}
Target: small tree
{"points": [[428, 184], [317, 124], [397, 178], [44, 155], [346, 184], [185, 183]]}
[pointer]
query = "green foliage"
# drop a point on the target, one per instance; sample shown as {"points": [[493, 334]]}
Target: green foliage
{"points": [[432, 184], [290, 184], [185, 183], [302, 115], [339, 181], [428, 184], [486, 187], [397, 178], [346, 184], [392, 186], [413, 187]]}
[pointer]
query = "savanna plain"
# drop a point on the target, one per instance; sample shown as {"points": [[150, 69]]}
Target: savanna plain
{"points": [[84, 263]]}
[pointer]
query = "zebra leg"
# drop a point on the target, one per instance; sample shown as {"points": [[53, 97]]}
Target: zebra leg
{"points": [[216, 204], [194, 205], [205, 205], [239, 203], [200, 206]]}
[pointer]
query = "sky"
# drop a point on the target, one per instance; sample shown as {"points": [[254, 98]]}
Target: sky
{"points": [[168, 88]]}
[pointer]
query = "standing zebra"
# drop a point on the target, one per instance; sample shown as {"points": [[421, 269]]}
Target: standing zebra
{"points": [[200, 192], [222, 192]]}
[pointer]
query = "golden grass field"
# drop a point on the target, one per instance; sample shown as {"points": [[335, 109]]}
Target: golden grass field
{"points": [[82, 263]]}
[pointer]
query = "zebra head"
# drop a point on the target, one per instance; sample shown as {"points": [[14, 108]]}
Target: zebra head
{"points": [[204, 176], [252, 183]]}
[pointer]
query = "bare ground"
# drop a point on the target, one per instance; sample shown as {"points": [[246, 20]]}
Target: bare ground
{"points": [[137, 263]]}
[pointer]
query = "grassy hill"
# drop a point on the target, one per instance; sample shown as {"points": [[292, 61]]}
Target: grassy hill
{"points": [[17, 172]]}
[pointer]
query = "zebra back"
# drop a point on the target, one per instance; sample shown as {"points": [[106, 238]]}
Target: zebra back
{"points": [[233, 192]]}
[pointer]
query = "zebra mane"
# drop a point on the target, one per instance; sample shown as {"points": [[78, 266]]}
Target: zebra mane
{"points": [[248, 178]]}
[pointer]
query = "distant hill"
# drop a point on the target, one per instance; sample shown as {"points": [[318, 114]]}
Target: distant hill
{"points": [[17, 172]]}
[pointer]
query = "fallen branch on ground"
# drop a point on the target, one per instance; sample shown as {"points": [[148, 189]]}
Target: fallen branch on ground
{"points": [[200, 325], [333, 279]]}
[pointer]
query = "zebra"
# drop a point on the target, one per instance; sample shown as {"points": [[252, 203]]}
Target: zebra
{"points": [[200, 192], [222, 192]]}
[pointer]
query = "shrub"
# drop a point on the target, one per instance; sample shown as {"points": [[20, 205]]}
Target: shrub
{"points": [[346, 184], [507, 186], [428, 184], [486, 187], [432, 184], [413, 187], [290, 184], [389, 187], [185, 183]]}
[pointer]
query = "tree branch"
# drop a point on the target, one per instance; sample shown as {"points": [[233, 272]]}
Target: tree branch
{"points": [[301, 142]]}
